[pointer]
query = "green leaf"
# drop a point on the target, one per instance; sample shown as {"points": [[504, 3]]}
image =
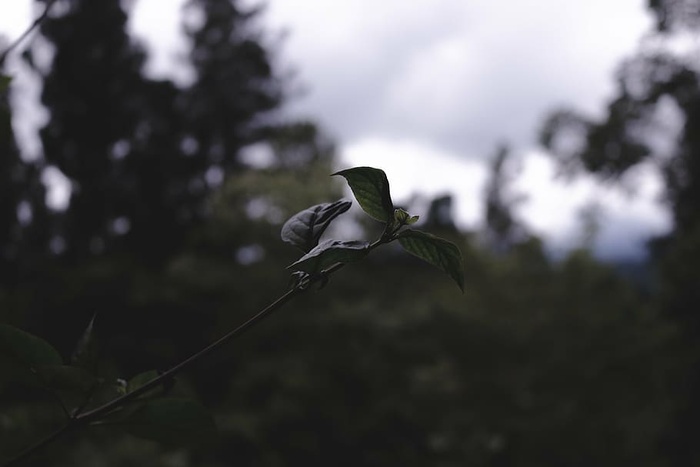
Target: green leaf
{"points": [[305, 228], [371, 189], [330, 252], [172, 421], [27, 348], [436, 251], [85, 353]]}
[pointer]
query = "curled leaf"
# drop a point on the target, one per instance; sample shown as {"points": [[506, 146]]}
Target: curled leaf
{"points": [[330, 252], [305, 228]]}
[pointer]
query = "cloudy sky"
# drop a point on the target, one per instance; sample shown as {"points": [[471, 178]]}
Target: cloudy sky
{"points": [[427, 89]]}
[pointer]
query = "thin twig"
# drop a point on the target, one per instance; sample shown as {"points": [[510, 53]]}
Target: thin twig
{"points": [[109, 406], [88, 417], [29, 30]]}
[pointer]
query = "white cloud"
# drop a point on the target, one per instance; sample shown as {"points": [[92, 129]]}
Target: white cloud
{"points": [[459, 75], [629, 216], [15, 19], [160, 29], [425, 89]]}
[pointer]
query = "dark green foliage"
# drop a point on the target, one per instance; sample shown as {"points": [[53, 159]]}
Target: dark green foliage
{"points": [[26, 348], [649, 83], [172, 421], [71, 385], [531, 363], [537, 363]]}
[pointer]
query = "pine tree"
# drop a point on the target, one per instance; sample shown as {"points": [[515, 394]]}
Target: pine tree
{"points": [[228, 106], [94, 93], [23, 214], [143, 155], [502, 227]]}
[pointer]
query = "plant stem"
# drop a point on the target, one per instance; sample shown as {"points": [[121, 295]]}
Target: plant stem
{"points": [[85, 418], [118, 402], [94, 414]]}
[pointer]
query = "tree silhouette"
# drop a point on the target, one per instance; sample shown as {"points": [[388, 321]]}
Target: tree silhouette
{"points": [[24, 218], [94, 93], [502, 227], [142, 155], [650, 85]]}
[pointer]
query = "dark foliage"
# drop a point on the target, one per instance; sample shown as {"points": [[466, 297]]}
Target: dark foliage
{"points": [[648, 83], [171, 238]]}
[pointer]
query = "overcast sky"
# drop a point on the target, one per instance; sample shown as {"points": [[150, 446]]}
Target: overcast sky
{"points": [[426, 89]]}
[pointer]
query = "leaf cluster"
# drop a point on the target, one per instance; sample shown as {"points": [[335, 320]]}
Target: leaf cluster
{"points": [[370, 187]]}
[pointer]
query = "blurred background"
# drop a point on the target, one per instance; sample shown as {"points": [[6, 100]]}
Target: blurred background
{"points": [[150, 152]]}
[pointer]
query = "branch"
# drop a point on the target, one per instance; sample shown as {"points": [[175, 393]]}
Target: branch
{"points": [[281, 301], [118, 402], [85, 418], [37, 22], [82, 419]]}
